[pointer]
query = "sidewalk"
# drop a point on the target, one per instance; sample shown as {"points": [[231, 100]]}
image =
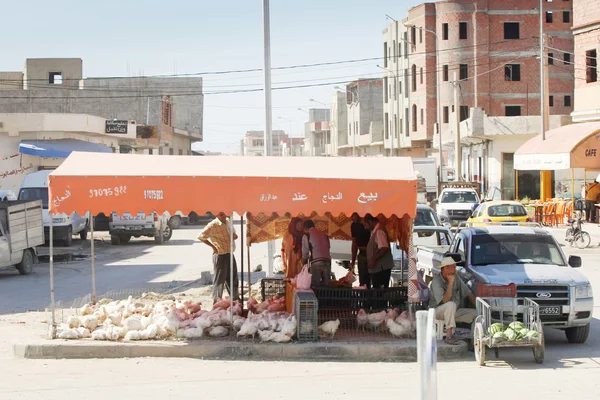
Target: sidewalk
{"points": [[25, 336]]}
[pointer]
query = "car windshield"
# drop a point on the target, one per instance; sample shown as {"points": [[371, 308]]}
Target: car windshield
{"points": [[30, 194], [507, 210], [515, 249], [459, 197], [425, 218]]}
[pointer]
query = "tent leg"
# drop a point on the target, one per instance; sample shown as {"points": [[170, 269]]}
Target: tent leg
{"points": [[94, 299], [249, 275], [572, 189], [52, 304], [242, 259], [231, 288]]}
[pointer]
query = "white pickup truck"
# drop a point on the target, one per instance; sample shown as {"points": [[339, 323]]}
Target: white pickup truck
{"points": [[21, 230], [455, 203], [531, 259], [123, 227]]}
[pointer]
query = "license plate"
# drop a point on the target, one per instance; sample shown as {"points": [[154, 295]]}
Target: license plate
{"points": [[550, 310], [134, 228]]}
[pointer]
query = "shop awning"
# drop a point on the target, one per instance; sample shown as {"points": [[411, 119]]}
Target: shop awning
{"points": [[570, 146], [60, 148], [295, 185]]}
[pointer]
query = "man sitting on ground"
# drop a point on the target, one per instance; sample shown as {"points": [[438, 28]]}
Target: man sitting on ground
{"points": [[447, 292]]}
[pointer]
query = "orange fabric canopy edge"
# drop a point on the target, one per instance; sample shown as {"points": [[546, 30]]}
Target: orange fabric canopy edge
{"points": [[104, 183]]}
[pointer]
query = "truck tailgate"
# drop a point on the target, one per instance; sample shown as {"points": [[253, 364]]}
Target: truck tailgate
{"points": [[25, 224]]}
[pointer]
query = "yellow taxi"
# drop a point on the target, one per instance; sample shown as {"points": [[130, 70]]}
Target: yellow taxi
{"points": [[500, 211]]}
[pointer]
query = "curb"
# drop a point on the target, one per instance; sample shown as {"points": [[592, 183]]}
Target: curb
{"points": [[397, 351]]}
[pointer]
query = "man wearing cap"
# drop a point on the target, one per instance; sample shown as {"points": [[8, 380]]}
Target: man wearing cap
{"points": [[447, 293]]}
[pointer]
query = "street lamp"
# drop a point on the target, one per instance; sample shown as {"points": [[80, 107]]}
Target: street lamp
{"points": [[354, 100], [316, 101], [439, 100]]}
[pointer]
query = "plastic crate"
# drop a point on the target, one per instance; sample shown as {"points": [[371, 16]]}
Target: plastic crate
{"points": [[270, 287], [306, 310], [367, 299]]}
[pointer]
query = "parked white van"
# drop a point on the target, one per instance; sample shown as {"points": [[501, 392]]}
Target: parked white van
{"points": [[35, 187]]}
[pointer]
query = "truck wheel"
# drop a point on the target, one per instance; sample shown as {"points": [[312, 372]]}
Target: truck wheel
{"points": [[125, 239], [160, 238], [578, 334], [25, 267], [175, 222], [115, 240], [83, 235], [69, 238]]}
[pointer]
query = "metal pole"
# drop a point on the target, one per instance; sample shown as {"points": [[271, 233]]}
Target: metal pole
{"points": [[398, 94], [542, 78], [439, 107], [93, 260], [242, 258], [268, 108], [457, 146], [421, 343], [231, 270], [52, 303], [249, 274], [148, 111]]}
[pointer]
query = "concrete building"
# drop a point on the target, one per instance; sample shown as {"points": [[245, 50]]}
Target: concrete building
{"points": [[491, 46], [317, 133], [339, 123], [586, 31], [365, 121], [253, 144]]}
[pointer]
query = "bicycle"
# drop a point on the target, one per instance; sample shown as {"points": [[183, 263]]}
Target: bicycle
{"points": [[577, 236]]}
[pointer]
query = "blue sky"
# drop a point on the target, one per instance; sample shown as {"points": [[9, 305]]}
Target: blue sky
{"points": [[121, 38]]}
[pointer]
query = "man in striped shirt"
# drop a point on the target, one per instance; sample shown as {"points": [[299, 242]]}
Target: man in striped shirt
{"points": [[316, 249], [217, 235]]}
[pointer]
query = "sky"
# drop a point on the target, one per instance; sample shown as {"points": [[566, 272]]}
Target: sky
{"points": [[150, 37]]}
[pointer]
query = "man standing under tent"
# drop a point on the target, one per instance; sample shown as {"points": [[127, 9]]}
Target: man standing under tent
{"points": [[217, 235], [316, 249]]}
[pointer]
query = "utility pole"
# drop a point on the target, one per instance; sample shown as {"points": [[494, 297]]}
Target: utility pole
{"points": [[268, 110], [457, 146], [545, 176]]}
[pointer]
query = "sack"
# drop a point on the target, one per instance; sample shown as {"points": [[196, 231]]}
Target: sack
{"points": [[422, 287], [304, 279]]}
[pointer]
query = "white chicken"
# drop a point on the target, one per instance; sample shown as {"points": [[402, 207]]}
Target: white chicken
{"points": [[99, 334], [330, 327], [392, 313], [265, 336], [90, 322], [361, 319], [194, 333], [376, 319], [73, 322], [218, 331], [87, 309], [238, 322], [69, 333], [83, 333], [249, 328], [397, 330], [133, 335], [279, 337], [132, 323], [289, 326]]}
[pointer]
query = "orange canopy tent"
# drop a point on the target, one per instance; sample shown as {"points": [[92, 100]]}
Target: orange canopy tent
{"points": [[122, 183]]}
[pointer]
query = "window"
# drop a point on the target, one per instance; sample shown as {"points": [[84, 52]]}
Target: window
{"points": [[567, 58], [462, 30], [395, 126], [591, 64], [401, 126], [407, 121], [420, 35], [421, 73], [566, 17], [405, 44], [55, 78], [446, 116], [399, 50], [445, 31], [385, 89], [385, 55], [414, 78], [549, 17], [512, 72], [422, 116], [464, 71], [350, 129], [413, 35], [550, 58], [414, 117], [445, 73], [160, 151], [511, 30], [399, 87], [551, 101], [387, 126], [394, 53], [180, 152], [512, 111], [464, 113], [150, 151], [567, 101]]}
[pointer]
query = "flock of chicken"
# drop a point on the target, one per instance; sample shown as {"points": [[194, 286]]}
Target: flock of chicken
{"points": [[129, 320]]}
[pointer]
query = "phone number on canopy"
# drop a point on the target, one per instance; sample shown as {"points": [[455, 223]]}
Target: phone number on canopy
{"points": [[116, 191]]}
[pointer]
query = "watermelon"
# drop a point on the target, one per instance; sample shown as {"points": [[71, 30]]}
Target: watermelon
{"points": [[495, 328], [532, 335], [510, 334], [516, 325], [522, 333]]}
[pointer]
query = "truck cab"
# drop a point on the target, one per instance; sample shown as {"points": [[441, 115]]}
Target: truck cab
{"points": [[35, 187], [456, 202]]}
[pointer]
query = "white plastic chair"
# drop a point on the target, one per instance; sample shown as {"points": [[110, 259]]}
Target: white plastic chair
{"points": [[440, 329]]}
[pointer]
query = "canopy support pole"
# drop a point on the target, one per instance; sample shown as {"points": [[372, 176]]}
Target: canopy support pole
{"points": [[249, 275], [572, 189], [231, 270], [94, 299], [242, 259], [52, 304], [516, 185]]}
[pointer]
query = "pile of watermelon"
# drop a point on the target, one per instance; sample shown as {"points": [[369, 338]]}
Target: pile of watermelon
{"points": [[515, 331]]}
